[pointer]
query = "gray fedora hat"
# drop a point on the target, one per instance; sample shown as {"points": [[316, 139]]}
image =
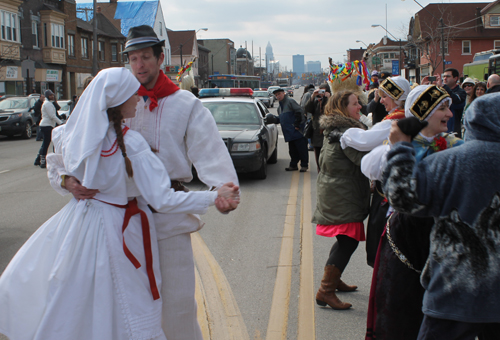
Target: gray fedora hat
{"points": [[141, 37]]}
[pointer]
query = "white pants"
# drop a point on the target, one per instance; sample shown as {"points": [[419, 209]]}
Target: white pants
{"points": [[179, 319]]}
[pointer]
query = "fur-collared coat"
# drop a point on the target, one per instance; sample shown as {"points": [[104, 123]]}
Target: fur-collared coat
{"points": [[343, 192], [459, 187]]}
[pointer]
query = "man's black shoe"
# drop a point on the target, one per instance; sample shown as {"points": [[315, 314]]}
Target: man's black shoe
{"points": [[303, 169], [291, 169]]}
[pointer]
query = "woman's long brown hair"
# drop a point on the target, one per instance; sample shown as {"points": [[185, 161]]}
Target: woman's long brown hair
{"points": [[116, 117], [337, 104]]}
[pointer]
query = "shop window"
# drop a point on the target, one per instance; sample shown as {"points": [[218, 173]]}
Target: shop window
{"points": [[466, 47], [85, 48], [71, 45], [34, 32], [101, 50], [495, 20], [10, 26], [57, 35], [114, 52]]}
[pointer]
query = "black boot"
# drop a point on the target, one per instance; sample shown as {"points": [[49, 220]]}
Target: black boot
{"points": [[37, 160], [42, 162]]}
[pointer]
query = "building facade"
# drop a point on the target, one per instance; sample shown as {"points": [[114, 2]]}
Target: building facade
{"points": [[298, 64], [222, 56], [469, 28], [313, 67]]}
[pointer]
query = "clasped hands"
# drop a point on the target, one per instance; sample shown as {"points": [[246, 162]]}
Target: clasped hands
{"points": [[228, 197]]}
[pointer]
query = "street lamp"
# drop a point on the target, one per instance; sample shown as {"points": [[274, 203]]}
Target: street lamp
{"points": [[387, 32], [360, 41]]}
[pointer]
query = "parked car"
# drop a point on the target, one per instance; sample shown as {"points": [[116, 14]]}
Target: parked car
{"points": [[296, 86], [5, 96], [289, 91], [15, 116], [270, 89], [241, 119], [264, 96], [63, 112]]}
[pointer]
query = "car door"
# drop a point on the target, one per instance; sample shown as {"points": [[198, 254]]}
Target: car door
{"points": [[270, 129]]}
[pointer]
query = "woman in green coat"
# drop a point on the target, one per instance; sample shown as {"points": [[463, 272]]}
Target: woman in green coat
{"points": [[343, 195]]}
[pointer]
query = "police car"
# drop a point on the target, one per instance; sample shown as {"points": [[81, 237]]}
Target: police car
{"points": [[241, 119]]}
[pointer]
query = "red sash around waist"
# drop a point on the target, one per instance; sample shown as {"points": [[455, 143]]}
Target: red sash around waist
{"points": [[131, 210]]}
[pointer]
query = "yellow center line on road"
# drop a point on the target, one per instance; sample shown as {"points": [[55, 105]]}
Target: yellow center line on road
{"points": [[306, 325], [278, 317], [218, 313]]}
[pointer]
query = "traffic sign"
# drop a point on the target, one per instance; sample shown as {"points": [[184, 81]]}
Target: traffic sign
{"points": [[447, 62]]}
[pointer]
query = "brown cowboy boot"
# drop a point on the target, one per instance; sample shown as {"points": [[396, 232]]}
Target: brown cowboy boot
{"points": [[326, 293], [343, 287]]}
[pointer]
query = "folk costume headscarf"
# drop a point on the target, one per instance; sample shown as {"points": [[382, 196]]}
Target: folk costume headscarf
{"points": [[424, 100], [88, 125], [163, 87], [398, 89], [422, 103]]}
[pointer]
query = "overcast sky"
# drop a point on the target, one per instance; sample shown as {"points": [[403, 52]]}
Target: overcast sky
{"points": [[316, 29]]}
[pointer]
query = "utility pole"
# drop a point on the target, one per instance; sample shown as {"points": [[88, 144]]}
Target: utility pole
{"points": [[94, 44], [442, 42], [180, 46]]}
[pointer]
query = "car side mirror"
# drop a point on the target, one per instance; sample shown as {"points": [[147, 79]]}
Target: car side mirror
{"points": [[271, 119]]}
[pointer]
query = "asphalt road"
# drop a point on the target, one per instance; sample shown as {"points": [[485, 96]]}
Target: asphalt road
{"points": [[247, 244]]}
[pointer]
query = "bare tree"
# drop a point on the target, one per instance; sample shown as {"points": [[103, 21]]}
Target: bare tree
{"points": [[432, 34]]}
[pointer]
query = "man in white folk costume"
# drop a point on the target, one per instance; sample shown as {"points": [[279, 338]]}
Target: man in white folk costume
{"points": [[92, 271], [182, 133]]}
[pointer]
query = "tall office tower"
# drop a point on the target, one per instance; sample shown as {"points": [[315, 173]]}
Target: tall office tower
{"points": [[269, 57], [298, 64], [313, 66]]}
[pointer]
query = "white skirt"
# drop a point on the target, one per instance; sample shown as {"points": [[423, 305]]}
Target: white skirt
{"points": [[72, 281]]}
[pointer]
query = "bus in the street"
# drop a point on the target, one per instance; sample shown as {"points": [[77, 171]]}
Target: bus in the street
{"points": [[233, 81], [494, 65]]}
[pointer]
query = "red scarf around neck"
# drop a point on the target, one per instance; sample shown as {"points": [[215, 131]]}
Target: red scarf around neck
{"points": [[163, 87]]}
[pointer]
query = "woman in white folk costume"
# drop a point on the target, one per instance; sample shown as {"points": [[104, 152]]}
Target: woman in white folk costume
{"points": [[80, 276], [393, 92]]}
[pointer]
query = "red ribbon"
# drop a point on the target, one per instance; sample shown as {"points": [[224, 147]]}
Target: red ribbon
{"points": [[131, 210]]}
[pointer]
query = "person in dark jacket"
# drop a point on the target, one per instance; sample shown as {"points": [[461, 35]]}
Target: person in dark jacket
{"points": [[493, 84], [460, 189], [316, 105], [37, 116], [292, 121]]}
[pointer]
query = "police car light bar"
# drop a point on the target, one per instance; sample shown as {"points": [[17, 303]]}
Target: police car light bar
{"points": [[226, 92]]}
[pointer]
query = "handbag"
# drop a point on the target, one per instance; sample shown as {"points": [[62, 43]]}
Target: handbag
{"points": [[308, 129]]}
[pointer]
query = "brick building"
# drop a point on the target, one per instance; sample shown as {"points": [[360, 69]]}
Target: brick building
{"points": [[11, 80], [80, 51], [469, 28], [48, 33]]}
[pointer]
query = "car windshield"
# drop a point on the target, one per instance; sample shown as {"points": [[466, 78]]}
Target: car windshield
{"points": [[64, 106], [234, 113], [261, 94], [14, 103]]}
